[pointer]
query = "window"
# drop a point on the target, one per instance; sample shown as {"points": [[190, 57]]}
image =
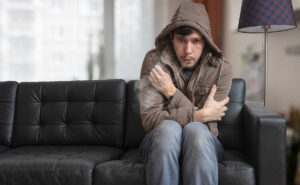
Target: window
{"points": [[64, 36], [21, 1], [134, 36], [91, 7], [20, 19], [21, 44], [57, 57], [57, 32], [36, 42], [57, 5], [89, 34], [21, 71], [21, 16]]}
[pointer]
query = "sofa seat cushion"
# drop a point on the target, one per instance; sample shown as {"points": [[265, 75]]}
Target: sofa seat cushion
{"points": [[235, 170], [3, 148], [129, 170], [59, 165]]}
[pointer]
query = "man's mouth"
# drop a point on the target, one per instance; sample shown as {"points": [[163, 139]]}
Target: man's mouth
{"points": [[188, 60]]}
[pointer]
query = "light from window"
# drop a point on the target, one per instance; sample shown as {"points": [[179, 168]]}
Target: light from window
{"points": [[57, 5], [51, 36]]}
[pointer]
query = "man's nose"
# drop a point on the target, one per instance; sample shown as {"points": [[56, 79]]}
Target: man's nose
{"points": [[188, 48]]}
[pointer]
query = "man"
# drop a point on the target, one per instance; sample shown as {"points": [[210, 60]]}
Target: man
{"points": [[184, 86]]}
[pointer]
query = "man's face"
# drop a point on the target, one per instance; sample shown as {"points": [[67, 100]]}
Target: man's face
{"points": [[188, 48]]}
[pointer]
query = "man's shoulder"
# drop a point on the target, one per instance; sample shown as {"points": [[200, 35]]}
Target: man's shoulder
{"points": [[150, 60], [227, 66], [152, 54]]}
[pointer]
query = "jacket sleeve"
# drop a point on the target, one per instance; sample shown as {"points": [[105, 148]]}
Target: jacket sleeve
{"points": [[224, 82], [223, 88], [154, 106], [180, 100]]}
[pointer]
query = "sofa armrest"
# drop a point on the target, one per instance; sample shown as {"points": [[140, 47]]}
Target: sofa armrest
{"points": [[265, 144]]}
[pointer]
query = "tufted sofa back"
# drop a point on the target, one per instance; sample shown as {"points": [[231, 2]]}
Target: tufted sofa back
{"points": [[104, 112], [73, 112], [7, 108], [230, 127], [134, 131]]}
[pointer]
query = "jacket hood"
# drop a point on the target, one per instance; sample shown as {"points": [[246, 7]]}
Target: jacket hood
{"points": [[188, 14]]}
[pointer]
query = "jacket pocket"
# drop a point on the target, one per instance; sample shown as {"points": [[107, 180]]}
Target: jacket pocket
{"points": [[202, 90], [201, 94]]}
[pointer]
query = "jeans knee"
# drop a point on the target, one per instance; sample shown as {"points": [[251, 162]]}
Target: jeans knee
{"points": [[197, 134], [169, 125], [167, 136], [168, 128], [195, 129]]}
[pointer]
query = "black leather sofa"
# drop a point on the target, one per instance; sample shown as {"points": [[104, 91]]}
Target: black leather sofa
{"points": [[88, 132]]}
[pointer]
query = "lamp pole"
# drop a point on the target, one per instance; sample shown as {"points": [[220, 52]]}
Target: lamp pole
{"points": [[256, 20], [266, 28]]}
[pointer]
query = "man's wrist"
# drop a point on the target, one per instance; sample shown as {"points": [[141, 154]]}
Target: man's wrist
{"points": [[200, 116], [171, 92]]}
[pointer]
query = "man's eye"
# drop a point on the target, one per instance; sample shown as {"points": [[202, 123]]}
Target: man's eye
{"points": [[180, 39], [197, 41]]}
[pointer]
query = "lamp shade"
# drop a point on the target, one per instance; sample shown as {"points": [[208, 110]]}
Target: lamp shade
{"points": [[255, 14]]}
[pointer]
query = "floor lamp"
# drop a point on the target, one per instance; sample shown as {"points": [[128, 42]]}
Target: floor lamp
{"points": [[264, 16]]}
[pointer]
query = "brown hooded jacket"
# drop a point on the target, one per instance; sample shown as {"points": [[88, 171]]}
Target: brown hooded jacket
{"points": [[190, 96]]}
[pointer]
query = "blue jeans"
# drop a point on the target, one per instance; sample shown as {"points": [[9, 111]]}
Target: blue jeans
{"points": [[187, 155]]}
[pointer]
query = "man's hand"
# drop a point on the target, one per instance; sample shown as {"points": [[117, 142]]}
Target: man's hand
{"points": [[212, 110], [160, 78]]}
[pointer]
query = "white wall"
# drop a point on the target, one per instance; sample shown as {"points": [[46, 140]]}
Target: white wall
{"points": [[284, 75], [284, 88]]}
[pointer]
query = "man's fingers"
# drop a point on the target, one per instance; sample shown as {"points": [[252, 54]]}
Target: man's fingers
{"points": [[151, 75], [225, 101], [150, 79], [159, 69], [225, 109], [212, 92], [164, 69], [155, 74]]}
